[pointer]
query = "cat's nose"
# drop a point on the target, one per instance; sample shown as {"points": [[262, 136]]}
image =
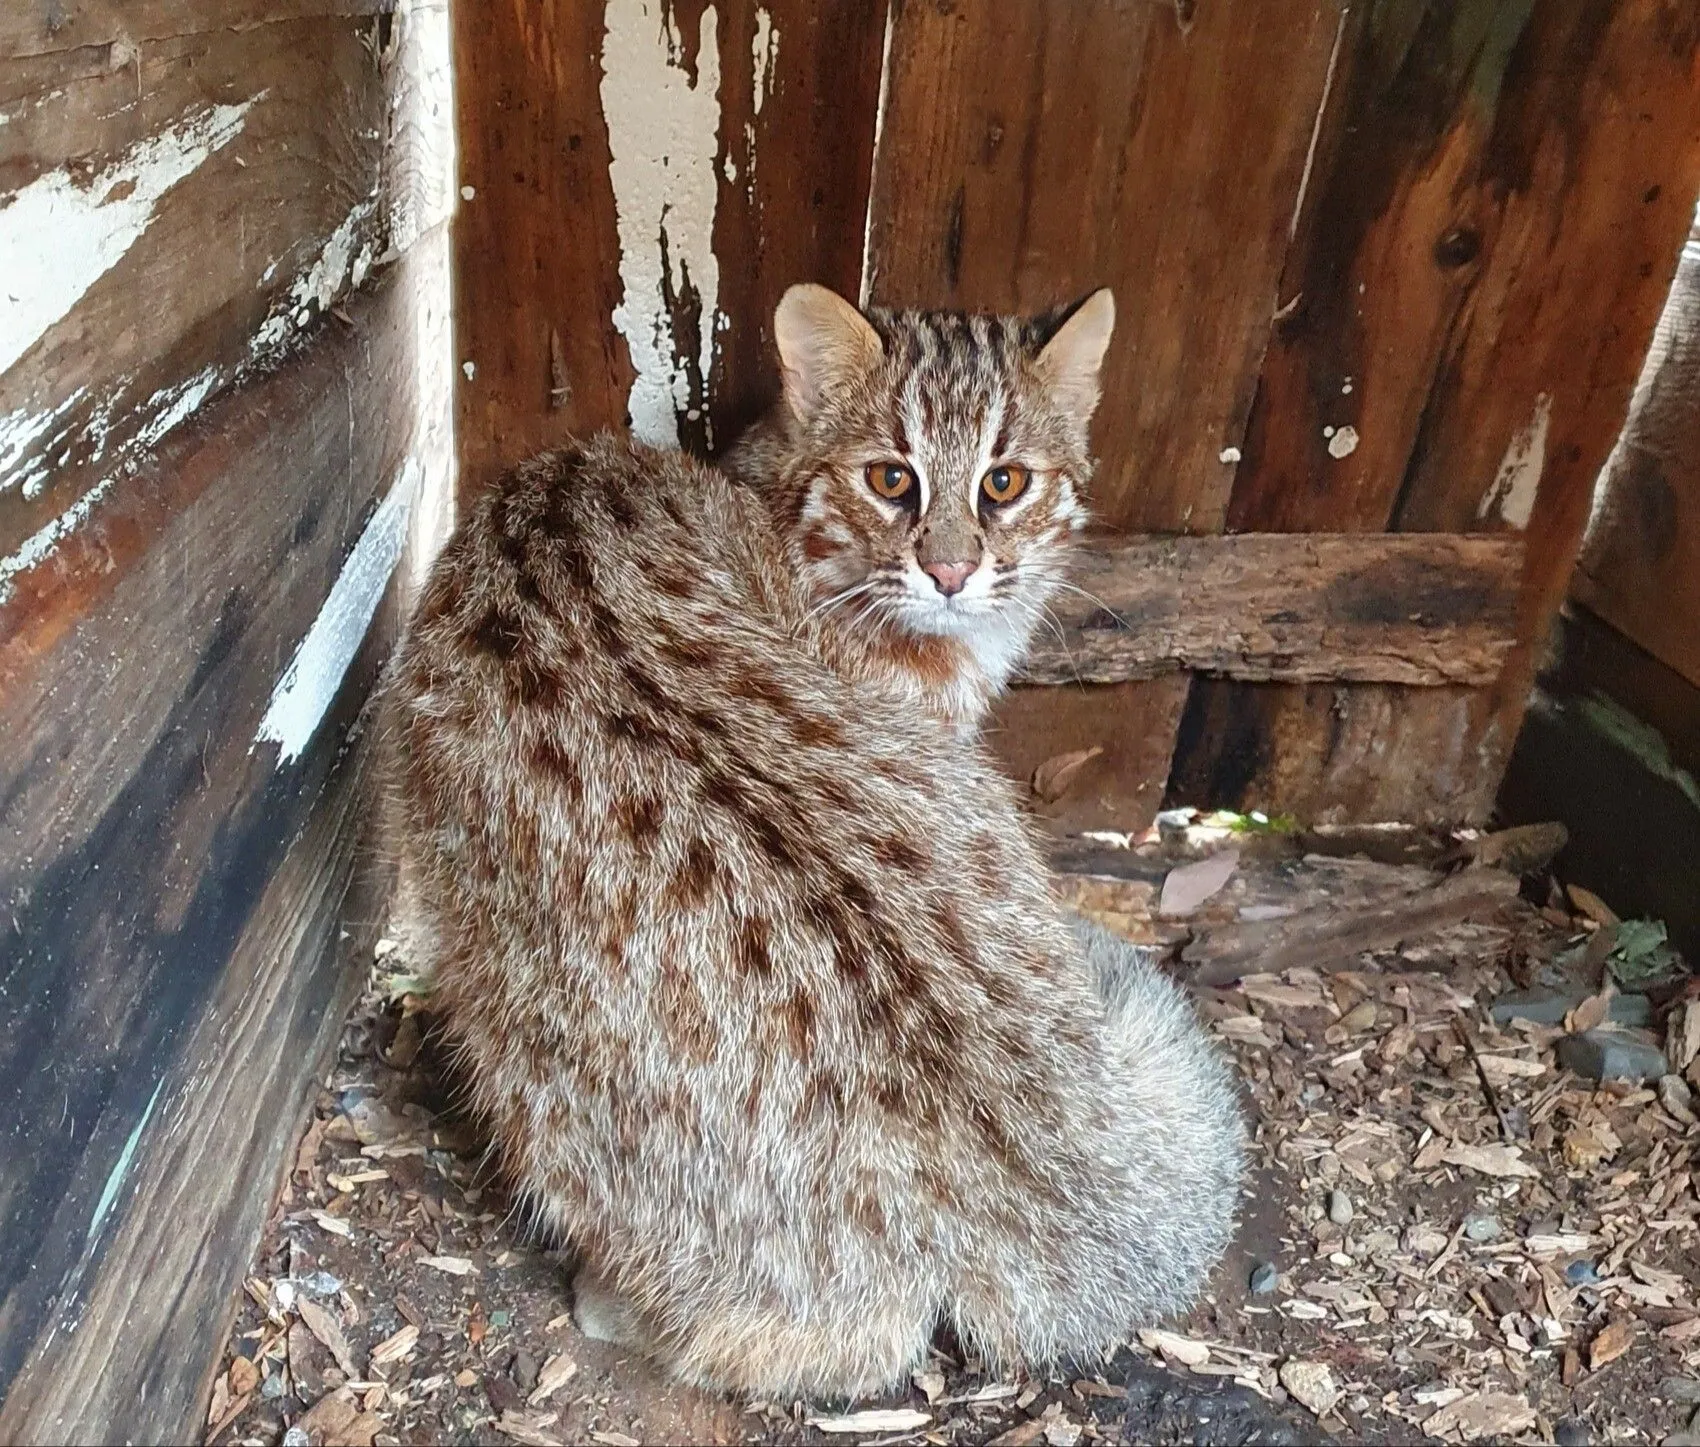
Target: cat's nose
{"points": [[948, 578]]}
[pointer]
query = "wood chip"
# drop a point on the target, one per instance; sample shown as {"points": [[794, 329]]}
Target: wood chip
{"points": [[1023, 1434], [901, 1419], [1590, 905], [1311, 1384], [1187, 886], [556, 1373], [528, 1429], [1490, 1415], [339, 1421], [1613, 1341], [334, 1224], [453, 1265], [329, 1331], [615, 1439], [1174, 1348], [1504, 1162], [394, 1348], [244, 1377], [929, 1384]]}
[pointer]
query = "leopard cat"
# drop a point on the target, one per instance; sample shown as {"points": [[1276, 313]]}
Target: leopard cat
{"points": [[748, 950]]}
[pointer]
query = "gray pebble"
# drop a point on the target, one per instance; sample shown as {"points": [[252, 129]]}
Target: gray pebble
{"points": [[272, 1388], [1680, 1389], [1482, 1228], [525, 1371], [1612, 1055], [297, 1437], [1264, 1279], [1571, 1432], [1339, 1207], [1581, 1273]]}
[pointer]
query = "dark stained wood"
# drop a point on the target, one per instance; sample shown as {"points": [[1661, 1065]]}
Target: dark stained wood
{"points": [[1417, 609], [180, 313], [1495, 216], [33, 28], [172, 883], [1640, 566], [1031, 153], [537, 270]]}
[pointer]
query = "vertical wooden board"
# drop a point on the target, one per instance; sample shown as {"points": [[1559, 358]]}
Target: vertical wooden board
{"points": [[1029, 154], [1640, 566], [1517, 253], [536, 274], [646, 178]]}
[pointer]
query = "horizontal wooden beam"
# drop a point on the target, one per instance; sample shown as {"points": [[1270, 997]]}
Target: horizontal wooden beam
{"points": [[1422, 609]]}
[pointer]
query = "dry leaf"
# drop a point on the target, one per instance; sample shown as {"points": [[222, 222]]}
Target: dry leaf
{"points": [[394, 1348], [1500, 1161], [1503, 1069], [329, 1331], [1590, 1013], [1187, 886], [1052, 778], [1590, 904], [901, 1419], [1612, 1342], [244, 1377], [929, 1384], [1174, 1347], [556, 1373], [1491, 1415], [1311, 1384], [454, 1265]]}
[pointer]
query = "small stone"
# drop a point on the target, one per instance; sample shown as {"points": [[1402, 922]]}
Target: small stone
{"points": [[1677, 1098], [1311, 1384], [1265, 1279], [1339, 1207], [525, 1370], [1549, 1007], [1571, 1432], [1681, 1389], [1482, 1228], [1606, 1054], [297, 1437], [272, 1388], [1581, 1273]]}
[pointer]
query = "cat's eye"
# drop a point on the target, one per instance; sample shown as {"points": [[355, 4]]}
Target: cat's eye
{"points": [[890, 480], [1004, 483]]}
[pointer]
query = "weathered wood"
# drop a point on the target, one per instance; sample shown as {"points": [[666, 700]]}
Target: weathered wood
{"points": [[31, 28], [627, 184], [162, 860], [1333, 934], [1418, 609], [1031, 153], [1496, 207], [208, 199], [1640, 565]]}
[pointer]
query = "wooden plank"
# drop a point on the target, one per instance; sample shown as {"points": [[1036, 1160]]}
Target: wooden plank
{"points": [[271, 140], [1483, 268], [34, 28], [628, 183], [1418, 609], [147, 824], [1641, 560], [1033, 153]]}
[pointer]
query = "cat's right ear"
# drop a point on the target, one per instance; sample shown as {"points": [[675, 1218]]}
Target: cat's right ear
{"points": [[824, 342]]}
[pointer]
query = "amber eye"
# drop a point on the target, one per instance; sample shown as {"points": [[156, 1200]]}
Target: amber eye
{"points": [[1004, 484], [890, 479]]}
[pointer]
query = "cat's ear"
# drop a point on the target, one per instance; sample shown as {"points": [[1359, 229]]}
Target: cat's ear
{"points": [[823, 342], [1070, 361]]}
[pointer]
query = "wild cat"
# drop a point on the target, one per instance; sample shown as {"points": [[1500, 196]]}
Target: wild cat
{"points": [[751, 957]]}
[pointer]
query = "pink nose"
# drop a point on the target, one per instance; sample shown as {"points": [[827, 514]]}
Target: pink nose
{"points": [[948, 578]]}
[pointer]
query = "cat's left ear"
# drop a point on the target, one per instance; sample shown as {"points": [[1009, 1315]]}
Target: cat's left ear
{"points": [[1071, 360], [824, 342]]}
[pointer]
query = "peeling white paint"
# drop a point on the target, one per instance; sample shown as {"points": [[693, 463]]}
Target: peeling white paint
{"points": [[1512, 496], [25, 437], [765, 49], [45, 539], [115, 1178], [865, 295], [663, 135], [337, 267], [1342, 441], [59, 236], [309, 685], [176, 404]]}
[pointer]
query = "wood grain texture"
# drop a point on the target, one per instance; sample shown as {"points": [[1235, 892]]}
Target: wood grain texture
{"points": [[205, 290], [1495, 216], [1420, 610], [146, 842], [1006, 179], [36, 28], [538, 255], [1641, 560]]}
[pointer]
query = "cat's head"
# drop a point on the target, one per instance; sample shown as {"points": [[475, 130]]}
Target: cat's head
{"points": [[936, 461]]}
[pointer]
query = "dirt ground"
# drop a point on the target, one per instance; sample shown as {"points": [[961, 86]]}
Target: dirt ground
{"points": [[1445, 1236]]}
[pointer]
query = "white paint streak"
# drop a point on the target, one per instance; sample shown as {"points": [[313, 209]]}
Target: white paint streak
{"points": [[176, 404], [766, 51], [24, 437], [1512, 496], [59, 236], [663, 136], [45, 539], [1343, 443], [865, 295], [115, 1179], [309, 685]]}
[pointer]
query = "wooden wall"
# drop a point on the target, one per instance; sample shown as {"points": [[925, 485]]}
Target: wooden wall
{"points": [[1380, 270], [223, 422]]}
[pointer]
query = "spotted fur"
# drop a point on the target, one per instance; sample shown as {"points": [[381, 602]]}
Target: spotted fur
{"points": [[754, 966]]}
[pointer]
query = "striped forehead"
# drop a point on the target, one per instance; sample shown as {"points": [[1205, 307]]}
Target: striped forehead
{"points": [[952, 394]]}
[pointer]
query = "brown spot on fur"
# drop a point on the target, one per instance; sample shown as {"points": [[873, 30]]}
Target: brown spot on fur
{"points": [[689, 888], [688, 652], [800, 1024], [891, 851], [684, 1016], [751, 953], [814, 732], [864, 1209], [818, 547], [933, 660], [639, 818]]}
